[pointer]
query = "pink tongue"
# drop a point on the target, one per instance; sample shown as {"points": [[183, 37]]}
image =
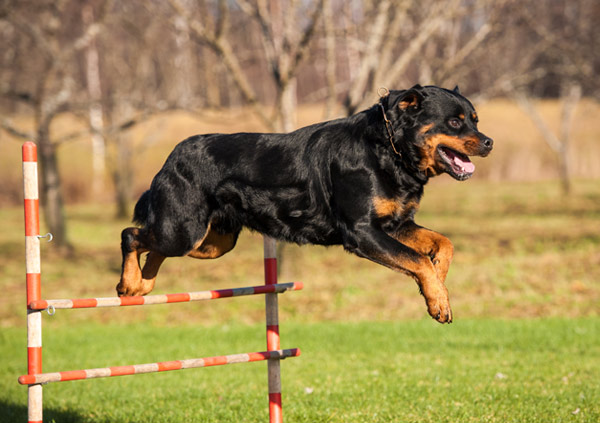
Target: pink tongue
{"points": [[467, 166]]}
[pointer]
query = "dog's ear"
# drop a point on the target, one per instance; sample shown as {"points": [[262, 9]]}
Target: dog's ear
{"points": [[456, 90], [411, 99]]}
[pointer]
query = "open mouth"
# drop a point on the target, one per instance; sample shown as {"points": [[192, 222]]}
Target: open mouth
{"points": [[458, 165]]}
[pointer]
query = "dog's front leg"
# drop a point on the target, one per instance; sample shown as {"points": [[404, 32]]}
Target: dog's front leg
{"points": [[384, 249], [436, 246]]}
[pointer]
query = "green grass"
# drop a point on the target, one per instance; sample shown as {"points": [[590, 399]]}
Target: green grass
{"points": [[540, 370]]}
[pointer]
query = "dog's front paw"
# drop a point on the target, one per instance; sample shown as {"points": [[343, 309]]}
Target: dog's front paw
{"points": [[439, 308]]}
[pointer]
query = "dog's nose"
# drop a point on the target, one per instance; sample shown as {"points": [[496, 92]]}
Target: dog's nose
{"points": [[488, 143]]}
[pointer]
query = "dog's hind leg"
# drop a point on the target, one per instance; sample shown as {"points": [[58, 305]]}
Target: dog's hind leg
{"points": [[134, 243], [149, 272], [213, 244]]}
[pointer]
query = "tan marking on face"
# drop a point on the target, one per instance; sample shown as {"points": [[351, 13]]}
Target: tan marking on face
{"points": [[461, 116], [474, 116], [466, 145], [426, 129]]}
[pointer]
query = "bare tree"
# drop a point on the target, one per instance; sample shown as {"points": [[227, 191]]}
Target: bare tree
{"points": [[212, 33], [425, 41], [557, 57], [330, 57], [285, 45], [558, 143], [96, 117], [53, 91]]}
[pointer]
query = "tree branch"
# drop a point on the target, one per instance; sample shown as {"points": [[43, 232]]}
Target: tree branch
{"points": [[369, 61], [222, 48], [551, 139], [302, 47], [16, 132]]}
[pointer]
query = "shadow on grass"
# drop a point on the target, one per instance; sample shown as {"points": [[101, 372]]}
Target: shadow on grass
{"points": [[11, 412]]}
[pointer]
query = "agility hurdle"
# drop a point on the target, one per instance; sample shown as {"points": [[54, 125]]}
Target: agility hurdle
{"points": [[34, 379]]}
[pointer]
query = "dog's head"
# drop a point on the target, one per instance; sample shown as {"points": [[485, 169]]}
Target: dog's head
{"points": [[439, 130]]}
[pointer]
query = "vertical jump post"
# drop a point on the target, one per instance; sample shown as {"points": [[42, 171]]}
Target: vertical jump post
{"points": [[272, 318], [33, 279]]}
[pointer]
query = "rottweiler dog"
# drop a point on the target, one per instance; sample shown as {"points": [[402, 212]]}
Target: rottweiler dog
{"points": [[355, 182]]}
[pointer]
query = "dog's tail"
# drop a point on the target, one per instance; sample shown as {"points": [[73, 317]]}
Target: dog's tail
{"points": [[142, 209]]}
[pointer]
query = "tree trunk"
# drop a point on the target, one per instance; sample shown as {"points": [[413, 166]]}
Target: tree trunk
{"points": [[122, 177], [330, 58], [288, 105], [92, 70], [571, 96], [51, 192]]}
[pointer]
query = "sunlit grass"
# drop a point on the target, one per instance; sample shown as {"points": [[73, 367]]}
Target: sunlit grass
{"points": [[480, 371]]}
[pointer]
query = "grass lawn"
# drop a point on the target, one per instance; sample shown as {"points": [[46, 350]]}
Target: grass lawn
{"points": [[539, 370]]}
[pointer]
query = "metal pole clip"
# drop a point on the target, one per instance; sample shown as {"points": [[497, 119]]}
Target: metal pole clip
{"points": [[48, 235]]}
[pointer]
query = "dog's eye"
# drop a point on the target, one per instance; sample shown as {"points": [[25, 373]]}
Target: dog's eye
{"points": [[455, 123]]}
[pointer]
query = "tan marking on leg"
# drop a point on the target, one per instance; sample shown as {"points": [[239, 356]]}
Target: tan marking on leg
{"points": [[425, 274], [131, 276], [386, 206], [212, 245], [430, 243], [437, 252], [149, 272], [392, 207]]}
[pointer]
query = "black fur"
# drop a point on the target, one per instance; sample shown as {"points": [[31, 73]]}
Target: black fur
{"points": [[315, 185], [309, 186]]}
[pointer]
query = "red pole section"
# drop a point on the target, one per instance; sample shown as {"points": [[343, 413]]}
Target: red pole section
{"points": [[157, 367], [33, 278], [272, 317]]}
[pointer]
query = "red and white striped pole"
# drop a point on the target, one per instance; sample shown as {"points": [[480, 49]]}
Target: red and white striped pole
{"points": [[272, 317], [32, 265], [164, 366]]}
